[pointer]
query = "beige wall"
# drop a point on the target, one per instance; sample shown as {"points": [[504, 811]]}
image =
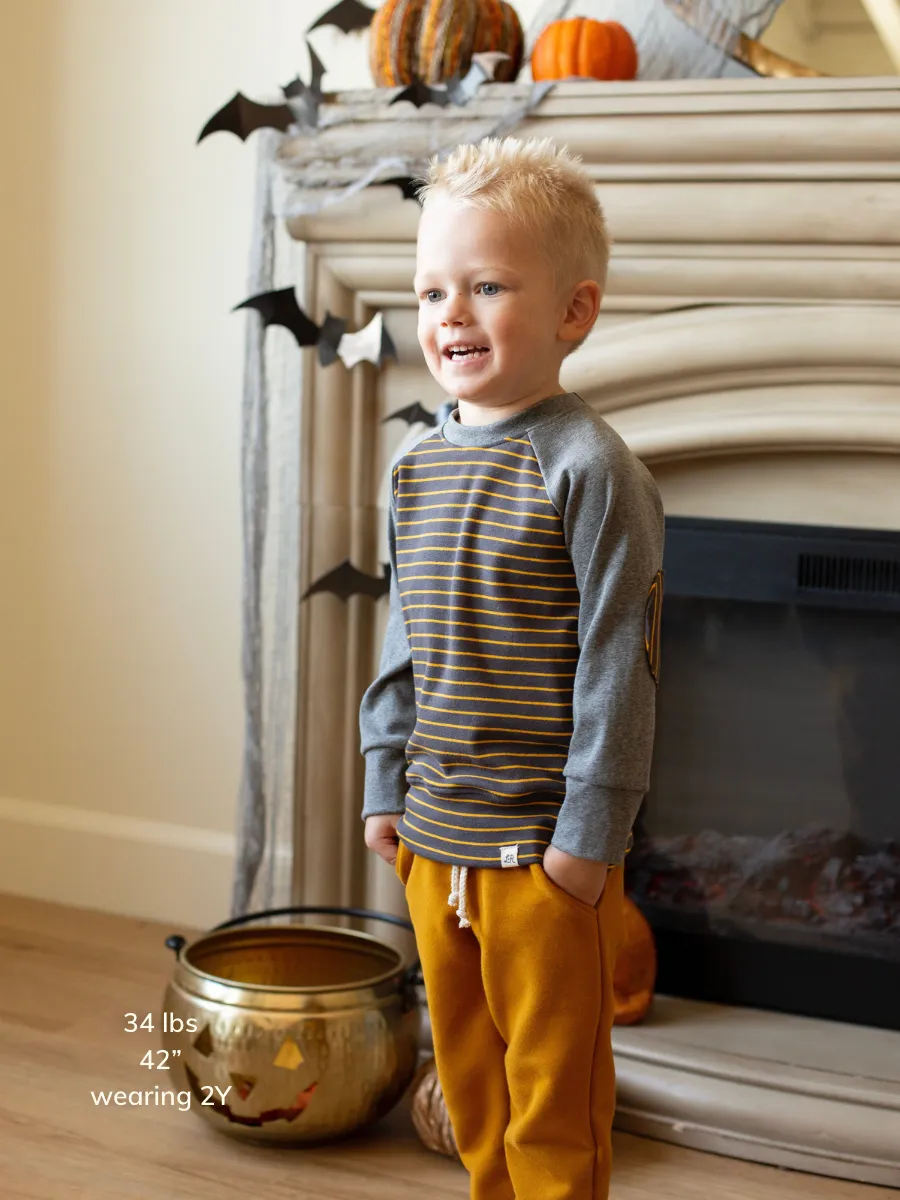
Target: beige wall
{"points": [[123, 248], [832, 36]]}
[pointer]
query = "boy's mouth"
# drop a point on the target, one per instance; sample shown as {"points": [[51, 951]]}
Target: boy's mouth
{"points": [[465, 351]]}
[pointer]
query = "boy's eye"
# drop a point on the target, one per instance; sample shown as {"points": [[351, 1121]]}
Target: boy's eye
{"points": [[436, 291]]}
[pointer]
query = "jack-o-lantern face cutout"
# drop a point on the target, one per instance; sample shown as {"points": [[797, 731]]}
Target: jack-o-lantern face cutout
{"points": [[242, 1084], [202, 1043], [289, 1057], [264, 1118]]}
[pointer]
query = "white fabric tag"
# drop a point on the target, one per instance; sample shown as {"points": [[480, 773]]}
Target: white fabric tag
{"points": [[509, 856]]}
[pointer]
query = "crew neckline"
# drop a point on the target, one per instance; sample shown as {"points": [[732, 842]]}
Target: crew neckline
{"points": [[509, 427]]}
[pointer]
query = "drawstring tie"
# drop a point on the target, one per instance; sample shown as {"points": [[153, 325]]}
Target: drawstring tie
{"points": [[458, 879]]}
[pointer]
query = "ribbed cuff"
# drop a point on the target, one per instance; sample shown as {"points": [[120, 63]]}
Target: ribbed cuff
{"points": [[594, 822], [385, 786]]}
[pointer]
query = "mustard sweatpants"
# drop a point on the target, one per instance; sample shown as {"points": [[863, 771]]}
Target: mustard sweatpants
{"points": [[521, 1005]]}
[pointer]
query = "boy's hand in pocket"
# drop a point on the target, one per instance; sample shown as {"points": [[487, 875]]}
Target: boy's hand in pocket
{"points": [[381, 835], [580, 877]]}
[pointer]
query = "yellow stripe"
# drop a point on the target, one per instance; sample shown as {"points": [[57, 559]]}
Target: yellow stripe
{"points": [[512, 512], [487, 804], [456, 841], [487, 700], [490, 753], [484, 492], [482, 625], [534, 487], [512, 658], [473, 462], [490, 741], [562, 733], [482, 537], [445, 637], [470, 829], [493, 553], [474, 712], [511, 795], [480, 521], [475, 858], [481, 596], [461, 449], [503, 687], [490, 612], [484, 778], [530, 587]]}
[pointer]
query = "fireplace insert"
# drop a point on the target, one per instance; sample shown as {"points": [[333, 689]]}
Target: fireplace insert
{"points": [[767, 850]]}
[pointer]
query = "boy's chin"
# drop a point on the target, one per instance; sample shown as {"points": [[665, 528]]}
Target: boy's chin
{"points": [[471, 389]]}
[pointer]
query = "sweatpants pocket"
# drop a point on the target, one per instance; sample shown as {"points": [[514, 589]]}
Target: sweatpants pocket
{"points": [[559, 896], [403, 862]]}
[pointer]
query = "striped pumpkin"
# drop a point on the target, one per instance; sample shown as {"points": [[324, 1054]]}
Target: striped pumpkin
{"points": [[431, 40], [500, 30]]}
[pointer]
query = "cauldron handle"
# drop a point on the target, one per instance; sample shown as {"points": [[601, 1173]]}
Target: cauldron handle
{"points": [[413, 971]]}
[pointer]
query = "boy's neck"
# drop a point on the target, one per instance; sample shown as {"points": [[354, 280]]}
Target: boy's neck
{"points": [[484, 414]]}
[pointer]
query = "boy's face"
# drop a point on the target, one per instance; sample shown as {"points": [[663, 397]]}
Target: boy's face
{"points": [[481, 282]]}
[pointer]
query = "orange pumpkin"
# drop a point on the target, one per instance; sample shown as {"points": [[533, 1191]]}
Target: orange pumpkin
{"points": [[634, 976], [430, 40], [580, 47]]}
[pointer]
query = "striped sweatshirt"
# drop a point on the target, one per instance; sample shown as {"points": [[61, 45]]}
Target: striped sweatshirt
{"points": [[516, 696]]}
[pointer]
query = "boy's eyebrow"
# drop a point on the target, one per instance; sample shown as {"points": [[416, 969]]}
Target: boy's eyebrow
{"points": [[502, 268]]}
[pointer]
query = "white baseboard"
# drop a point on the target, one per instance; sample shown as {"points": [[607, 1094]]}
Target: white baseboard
{"points": [[117, 864]]}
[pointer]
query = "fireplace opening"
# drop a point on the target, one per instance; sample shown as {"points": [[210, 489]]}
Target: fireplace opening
{"points": [[767, 851]]}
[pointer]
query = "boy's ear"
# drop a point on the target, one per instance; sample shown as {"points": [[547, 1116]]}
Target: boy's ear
{"points": [[582, 310]]}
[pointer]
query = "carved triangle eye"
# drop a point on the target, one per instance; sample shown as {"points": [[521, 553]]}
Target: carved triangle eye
{"points": [[289, 1055], [203, 1042]]}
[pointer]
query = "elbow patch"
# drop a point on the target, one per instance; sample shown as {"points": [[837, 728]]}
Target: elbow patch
{"points": [[652, 622]]}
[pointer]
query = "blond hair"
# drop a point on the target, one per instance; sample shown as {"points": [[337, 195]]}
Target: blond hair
{"points": [[543, 190]]}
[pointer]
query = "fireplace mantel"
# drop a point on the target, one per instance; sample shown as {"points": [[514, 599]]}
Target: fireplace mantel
{"points": [[748, 349]]}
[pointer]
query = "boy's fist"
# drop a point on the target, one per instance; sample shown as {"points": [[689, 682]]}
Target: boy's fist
{"points": [[580, 877], [381, 835]]}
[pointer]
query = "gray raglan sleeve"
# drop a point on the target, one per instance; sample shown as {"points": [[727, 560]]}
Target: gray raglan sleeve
{"points": [[614, 528], [387, 714]]}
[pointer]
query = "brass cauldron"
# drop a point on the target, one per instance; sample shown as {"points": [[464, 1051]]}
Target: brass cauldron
{"points": [[291, 1033]]}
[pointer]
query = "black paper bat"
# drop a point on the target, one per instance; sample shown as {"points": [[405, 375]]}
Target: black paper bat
{"points": [[372, 343], [414, 414], [460, 91], [317, 69], [307, 97], [346, 580], [456, 90], [419, 93], [241, 116], [408, 187], [347, 16]]}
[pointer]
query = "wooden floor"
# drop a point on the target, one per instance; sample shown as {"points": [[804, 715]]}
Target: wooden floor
{"points": [[67, 976]]}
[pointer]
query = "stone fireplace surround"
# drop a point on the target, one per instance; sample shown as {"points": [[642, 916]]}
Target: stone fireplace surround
{"points": [[748, 350]]}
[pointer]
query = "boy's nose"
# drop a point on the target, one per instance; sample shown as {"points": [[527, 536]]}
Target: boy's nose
{"points": [[455, 310]]}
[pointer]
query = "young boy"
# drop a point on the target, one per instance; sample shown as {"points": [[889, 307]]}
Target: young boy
{"points": [[508, 735]]}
